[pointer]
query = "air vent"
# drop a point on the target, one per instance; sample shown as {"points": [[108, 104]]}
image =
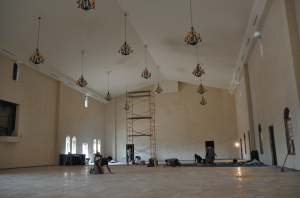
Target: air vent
{"points": [[255, 20], [243, 56], [54, 75], [8, 52], [34, 65], [84, 90], [70, 84], [95, 96], [248, 41]]}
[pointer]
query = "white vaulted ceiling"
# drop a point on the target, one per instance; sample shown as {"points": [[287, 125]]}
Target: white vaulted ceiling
{"points": [[161, 24]]}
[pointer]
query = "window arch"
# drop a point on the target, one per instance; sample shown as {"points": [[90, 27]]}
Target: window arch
{"points": [[260, 140], [245, 143], [74, 145], [288, 131], [68, 144], [94, 146], [99, 146]]}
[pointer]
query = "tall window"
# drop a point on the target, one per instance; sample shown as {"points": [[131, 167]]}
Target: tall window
{"points": [[245, 143], [74, 145], [261, 46], [94, 146], [289, 131], [260, 140], [249, 141], [86, 101], [68, 144], [99, 146]]}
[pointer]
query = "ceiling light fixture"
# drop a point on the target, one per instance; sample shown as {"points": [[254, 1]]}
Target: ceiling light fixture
{"points": [[126, 106], [81, 82], [125, 49], [36, 57], [86, 4], [203, 101], [201, 89], [198, 71], [192, 37], [145, 73], [158, 88], [108, 96]]}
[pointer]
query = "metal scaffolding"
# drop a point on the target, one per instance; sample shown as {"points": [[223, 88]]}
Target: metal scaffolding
{"points": [[141, 98]]}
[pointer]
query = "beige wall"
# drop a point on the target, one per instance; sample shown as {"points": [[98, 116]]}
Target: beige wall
{"points": [[182, 124], [273, 88], [42, 124]]}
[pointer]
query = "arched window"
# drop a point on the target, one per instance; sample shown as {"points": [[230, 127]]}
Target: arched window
{"points": [[260, 140], [94, 146], [68, 144], [245, 143], [99, 146], [288, 131], [74, 145]]}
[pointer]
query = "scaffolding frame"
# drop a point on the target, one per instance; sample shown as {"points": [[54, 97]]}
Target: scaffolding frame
{"points": [[133, 99]]}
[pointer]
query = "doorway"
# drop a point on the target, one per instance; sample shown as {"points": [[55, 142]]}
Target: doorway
{"points": [[131, 147], [272, 145], [241, 145], [85, 149], [209, 144]]}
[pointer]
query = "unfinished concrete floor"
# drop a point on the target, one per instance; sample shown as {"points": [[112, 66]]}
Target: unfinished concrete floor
{"points": [[140, 181]]}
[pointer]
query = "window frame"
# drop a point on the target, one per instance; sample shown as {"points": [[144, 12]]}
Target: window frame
{"points": [[287, 119]]}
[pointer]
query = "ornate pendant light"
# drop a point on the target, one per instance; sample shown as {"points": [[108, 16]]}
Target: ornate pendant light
{"points": [[145, 73], [86, 4], [158, 88], [198, 71], [81, 82], [126, 106], [125, 49], [36, 57], [201, 89], [192, 37], [203, 101], [108, 96]]}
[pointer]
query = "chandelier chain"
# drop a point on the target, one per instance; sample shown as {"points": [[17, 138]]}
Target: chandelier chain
{"points": [[158, 75], [82, 64], [125, 27], [197, 54], [145, 58], [38, 33], [191, 13], [108, 83]]}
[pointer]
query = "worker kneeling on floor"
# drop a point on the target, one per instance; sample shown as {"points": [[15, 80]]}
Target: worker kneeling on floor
{"points": [[98, 165], [172, 162]]}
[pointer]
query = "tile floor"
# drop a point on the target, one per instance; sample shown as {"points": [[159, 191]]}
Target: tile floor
{"points": [[141, 181]]}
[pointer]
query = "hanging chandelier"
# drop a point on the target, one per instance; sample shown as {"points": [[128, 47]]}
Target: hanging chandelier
{"points": [[126, 106], [203, 101], [81, 82], [158, 88], [86, 4], [36, 57], [125, 49], [192, 37], [108, 96], [198, 71], [145, 73], [201, 89]]}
